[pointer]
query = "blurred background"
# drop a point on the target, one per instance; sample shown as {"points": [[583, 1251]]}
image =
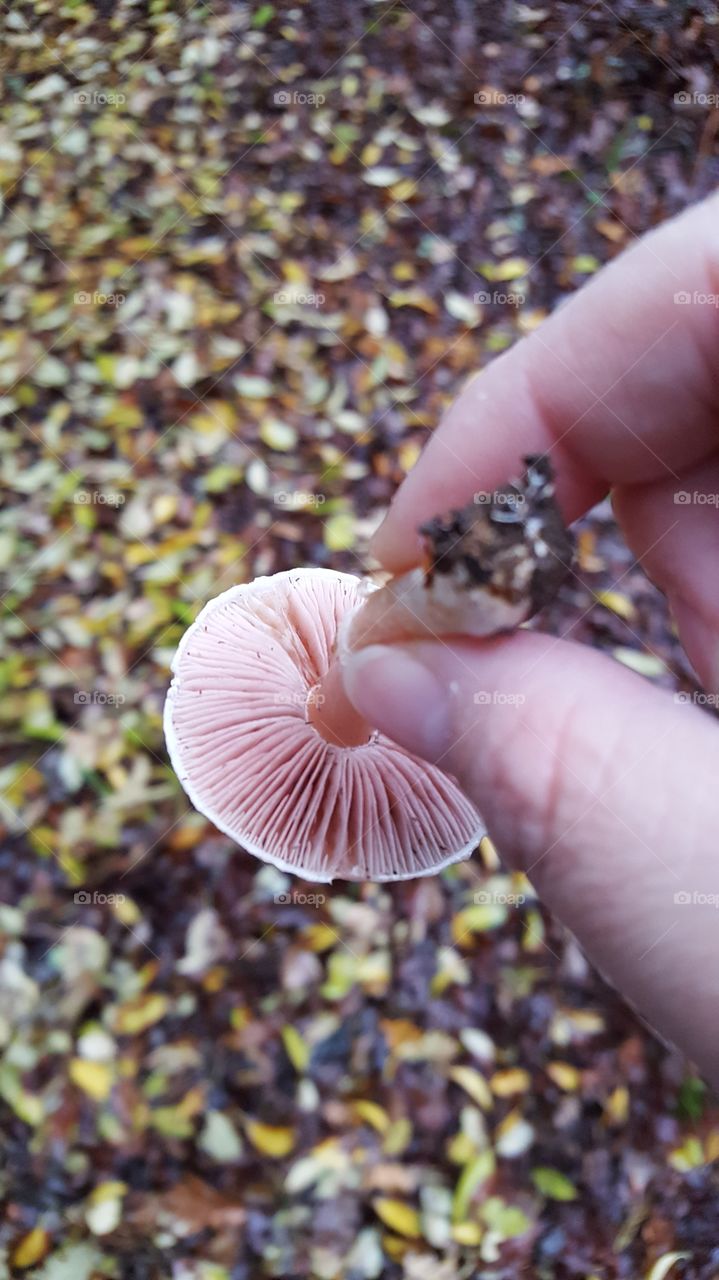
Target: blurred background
{"points": [[250, 251]]}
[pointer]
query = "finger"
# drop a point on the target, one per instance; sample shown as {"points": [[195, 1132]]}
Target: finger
{"points": [[673, 530], [619, 385], [598, 785]]}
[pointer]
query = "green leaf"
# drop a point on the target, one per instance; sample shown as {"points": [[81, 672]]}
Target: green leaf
{"points": [[553, 1184], [690, 1103], [472, 1176], [263, 15]]}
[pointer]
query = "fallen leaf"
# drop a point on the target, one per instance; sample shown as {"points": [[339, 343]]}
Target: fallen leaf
{"points": [[272, 1140], [398, 1216]]}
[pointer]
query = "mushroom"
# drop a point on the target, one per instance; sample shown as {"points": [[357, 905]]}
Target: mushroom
{"points": [[260, 731]]}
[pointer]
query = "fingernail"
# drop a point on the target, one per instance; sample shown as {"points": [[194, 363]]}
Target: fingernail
{"points": [[399, 696]]}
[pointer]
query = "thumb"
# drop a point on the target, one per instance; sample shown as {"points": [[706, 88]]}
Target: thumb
{"points": [[598, 785]]}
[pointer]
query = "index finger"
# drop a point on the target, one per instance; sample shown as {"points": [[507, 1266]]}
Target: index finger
{"points": [[620, 385]]}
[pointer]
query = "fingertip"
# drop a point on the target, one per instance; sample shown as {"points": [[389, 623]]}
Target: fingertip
{"points": [[401, 696]]}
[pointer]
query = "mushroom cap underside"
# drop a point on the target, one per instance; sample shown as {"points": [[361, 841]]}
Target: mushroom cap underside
{"points": [[249, 757]]}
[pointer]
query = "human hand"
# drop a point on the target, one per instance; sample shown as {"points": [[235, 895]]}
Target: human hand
{"points": [[600, 786]]}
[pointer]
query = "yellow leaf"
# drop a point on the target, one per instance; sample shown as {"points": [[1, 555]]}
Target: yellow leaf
{"points": [[371, 153], [319, 937], [404, 190], [398, 1137], [689, 1156], [340, 531], [398, 1216], [294, 271], [533, 932], [193, 1102], [127, 912], [564, 1075], [474, 1083], [469, 1233], [509, 269], [585, 264], [619, 604], [461, 1148], [137, 555], [513, 1080], [94, 1078], [31, 1248], [616, 1108], [413, 298], [404, 271], [272, 1140], [490, 857], [296, 1048], [373, 1113], [164, 507], [107, 1191], [137, 1015], [278, 435], [395, 1247], [477, 919], [218, 415], [408, 453]]}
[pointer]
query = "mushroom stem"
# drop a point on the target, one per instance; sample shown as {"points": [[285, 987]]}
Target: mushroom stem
{"points": [[486, 569], [331, 713], [407, 608]]}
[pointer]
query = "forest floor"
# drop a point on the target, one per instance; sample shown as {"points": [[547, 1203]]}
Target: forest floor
{"points": [[249, 254]]}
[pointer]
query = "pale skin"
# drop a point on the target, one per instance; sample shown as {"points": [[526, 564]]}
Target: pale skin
{"points": [[601, 786]]}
